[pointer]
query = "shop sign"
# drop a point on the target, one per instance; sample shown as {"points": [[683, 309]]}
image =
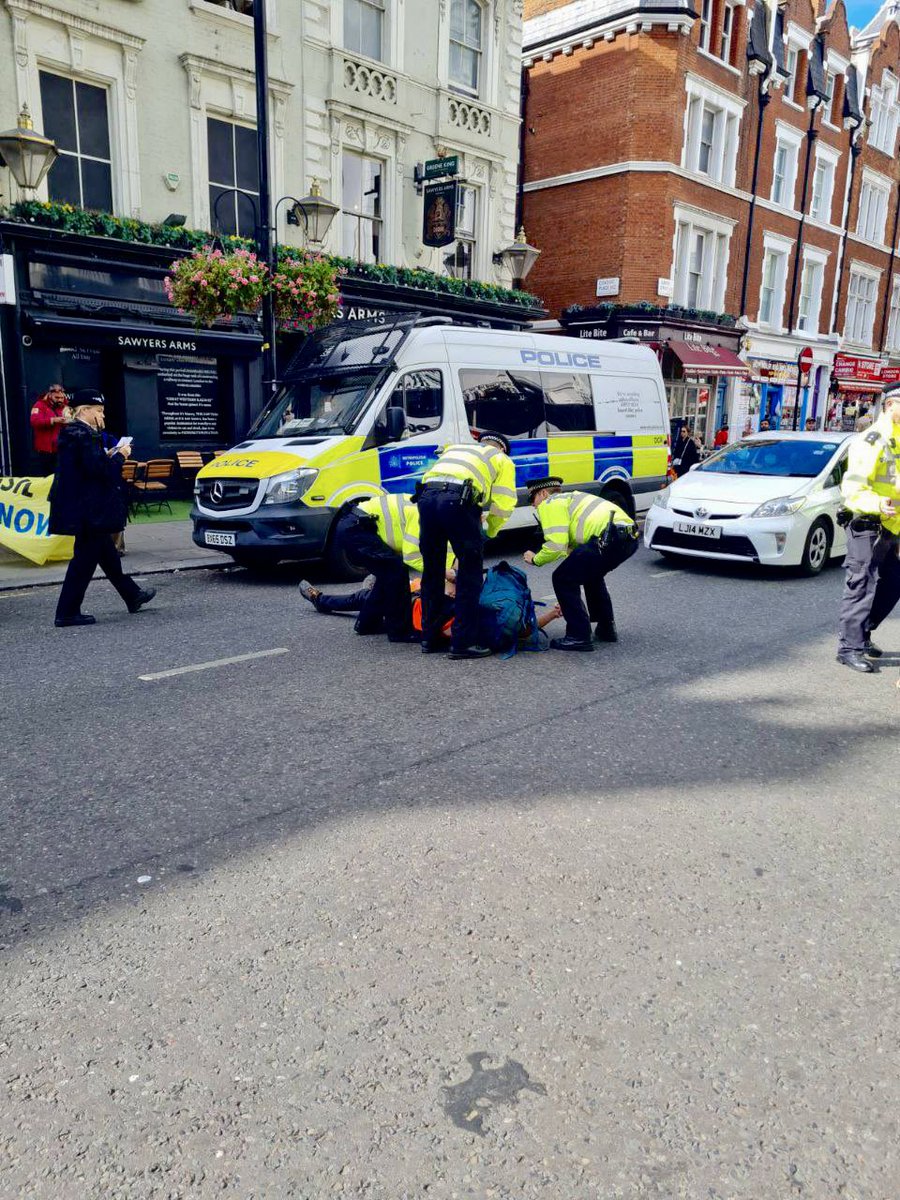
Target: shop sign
{"points": [[188, 391], [644, 333], [152, 344], [772, 370], [863, 370], [439, 216], [358, 312], [7, 280], [438, 168]]}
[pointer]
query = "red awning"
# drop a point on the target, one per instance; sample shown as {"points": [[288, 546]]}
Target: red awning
{"points": [[708, 360], [854, 385]]}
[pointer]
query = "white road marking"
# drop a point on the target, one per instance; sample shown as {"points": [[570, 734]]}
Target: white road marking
{"points": [[207, 666], [666, 574]]}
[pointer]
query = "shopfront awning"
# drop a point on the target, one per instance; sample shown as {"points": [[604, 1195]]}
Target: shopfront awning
{"points": [[146, 339], [857, 385], [708, 360]]}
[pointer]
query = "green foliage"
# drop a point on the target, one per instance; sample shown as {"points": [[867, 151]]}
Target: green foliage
{"points": [[70, 219], [644, 308], [305, 289]]}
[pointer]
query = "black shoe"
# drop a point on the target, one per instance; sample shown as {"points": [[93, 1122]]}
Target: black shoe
{"points": [[434, 647], [310, 593], [570, 643], [469, 652], [406, 639], [78, 619], [871, 650], [856, 662], [606, 633], [144, 596]]}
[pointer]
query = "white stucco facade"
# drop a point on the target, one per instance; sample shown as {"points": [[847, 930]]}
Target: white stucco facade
{"points": [[168, 66]]}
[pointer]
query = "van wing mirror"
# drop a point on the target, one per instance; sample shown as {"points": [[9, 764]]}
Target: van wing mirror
{"points": [[394, 423]]}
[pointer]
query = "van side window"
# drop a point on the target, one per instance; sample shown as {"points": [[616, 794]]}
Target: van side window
{"points": [[568, 402], [421, 396], [511, 402]]}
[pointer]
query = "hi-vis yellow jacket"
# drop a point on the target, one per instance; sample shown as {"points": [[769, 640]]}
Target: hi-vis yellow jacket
{"points": [[491, 472], [397, 519], [873, 471], [569, 519]]}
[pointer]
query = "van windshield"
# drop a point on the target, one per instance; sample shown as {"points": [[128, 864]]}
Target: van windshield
{"points": [[316, 404]]}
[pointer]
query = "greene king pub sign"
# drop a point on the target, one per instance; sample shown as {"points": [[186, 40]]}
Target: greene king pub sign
{"points": [[439, 219]]}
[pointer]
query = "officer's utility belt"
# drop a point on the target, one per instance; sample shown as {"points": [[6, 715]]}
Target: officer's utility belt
{"points": [[465, 492], [614, 533], [859, 522]]}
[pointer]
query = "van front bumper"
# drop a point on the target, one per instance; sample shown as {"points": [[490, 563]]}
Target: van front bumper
{"points": [[285, 530]]}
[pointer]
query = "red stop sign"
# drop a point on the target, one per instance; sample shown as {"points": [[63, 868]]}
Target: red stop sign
{"points": [[805, 359]]}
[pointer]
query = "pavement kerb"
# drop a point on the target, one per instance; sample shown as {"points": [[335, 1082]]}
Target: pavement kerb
{"points": [[169, 569]]}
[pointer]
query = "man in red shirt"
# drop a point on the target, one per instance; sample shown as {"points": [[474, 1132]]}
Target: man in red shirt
{"points": [[49, 413]]}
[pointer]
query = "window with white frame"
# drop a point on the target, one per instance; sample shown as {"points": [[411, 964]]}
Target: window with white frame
{"points": [[701, 258], [361, 207], [712, 121], [812, 280], [461, 260], [893, 329], [776, 256], [873, 205], [792, 66], [784, 175], [822, 192], [727, 38], [706, 14], [364, 27], [828, 103], [233, 177], [883, 114], [466, 46], [76, 117], [862, 297]]}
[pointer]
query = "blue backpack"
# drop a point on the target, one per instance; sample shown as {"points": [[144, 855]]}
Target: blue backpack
{"points": [[506, 617]]}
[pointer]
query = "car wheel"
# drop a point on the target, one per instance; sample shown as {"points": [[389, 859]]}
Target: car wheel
{"points": [[817, 550], [337, 564]]}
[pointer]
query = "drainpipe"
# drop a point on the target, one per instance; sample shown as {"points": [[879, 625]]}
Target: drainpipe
{"points": [[520, 181], [763, 98], [890, 272], [811, 134]]}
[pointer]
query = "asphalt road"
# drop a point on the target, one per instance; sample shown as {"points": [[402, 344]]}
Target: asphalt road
{"points": [[348, 921]]}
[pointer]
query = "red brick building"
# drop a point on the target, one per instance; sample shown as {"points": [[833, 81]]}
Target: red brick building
{"points": [[721, 180]]}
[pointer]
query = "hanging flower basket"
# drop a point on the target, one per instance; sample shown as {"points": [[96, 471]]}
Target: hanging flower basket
{"points": [[305, 290], [211, 285]]}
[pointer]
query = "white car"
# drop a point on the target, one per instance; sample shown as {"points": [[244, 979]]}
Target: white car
{"points": [[772, 498]]}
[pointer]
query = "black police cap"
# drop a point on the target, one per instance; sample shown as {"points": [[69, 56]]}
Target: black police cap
{"points": [[891, 390], [540, 485], [500, 439], [88, 398]]}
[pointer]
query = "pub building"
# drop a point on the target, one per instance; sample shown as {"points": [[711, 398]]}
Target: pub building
{"points": [[92, 312], [702, 372]]}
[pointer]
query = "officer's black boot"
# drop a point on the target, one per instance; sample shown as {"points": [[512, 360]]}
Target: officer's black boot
{"points": [[606, 632], [856, 661]]}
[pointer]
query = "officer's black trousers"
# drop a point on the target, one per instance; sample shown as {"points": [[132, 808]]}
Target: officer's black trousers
{"points": [[93, 548], [445, 517], [387, 606], [871, 585], [586, 567]]}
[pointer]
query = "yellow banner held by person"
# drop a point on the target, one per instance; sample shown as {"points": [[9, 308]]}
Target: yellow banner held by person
{"points": [[25, 520]]}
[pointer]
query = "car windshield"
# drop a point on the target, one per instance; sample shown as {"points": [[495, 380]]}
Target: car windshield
{"points": [[316, 404], [792, 457]]}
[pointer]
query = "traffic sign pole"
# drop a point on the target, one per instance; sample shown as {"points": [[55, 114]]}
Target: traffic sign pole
{"points": [[804, 365]]}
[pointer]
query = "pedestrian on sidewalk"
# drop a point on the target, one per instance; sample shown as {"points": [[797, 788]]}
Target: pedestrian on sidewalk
{"points": [[87, 503], [685, 452], [49, 414]]}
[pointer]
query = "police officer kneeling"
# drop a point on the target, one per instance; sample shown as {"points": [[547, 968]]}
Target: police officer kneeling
{"points": [[374, 535], [592, 537], [871, 491], [467, 480]]}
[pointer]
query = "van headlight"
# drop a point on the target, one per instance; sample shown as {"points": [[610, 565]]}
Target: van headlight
{"points": [[783, 506], [661, 499], [286, 488]]}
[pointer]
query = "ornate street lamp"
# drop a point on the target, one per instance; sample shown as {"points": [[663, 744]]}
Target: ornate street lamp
{"points": [[29, 155], [316, 213], [518, 258]]}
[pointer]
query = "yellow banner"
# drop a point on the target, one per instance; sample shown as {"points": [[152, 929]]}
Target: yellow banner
{"points": [[24, 521]]}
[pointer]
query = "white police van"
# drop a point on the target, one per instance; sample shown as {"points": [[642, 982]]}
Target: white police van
{"points": [[364, 409]]}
